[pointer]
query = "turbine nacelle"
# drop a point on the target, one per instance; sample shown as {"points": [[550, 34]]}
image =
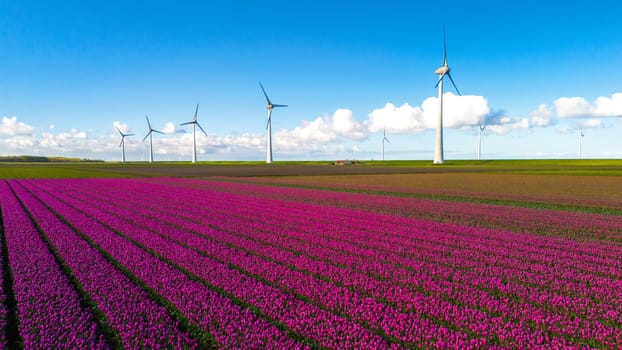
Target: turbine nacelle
{"points": [[442, 70], [194, 120]]}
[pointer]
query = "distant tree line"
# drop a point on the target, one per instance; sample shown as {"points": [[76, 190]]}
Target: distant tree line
{"points": [[40, 159]]}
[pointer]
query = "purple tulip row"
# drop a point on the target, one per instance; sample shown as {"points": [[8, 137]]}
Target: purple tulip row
{"points": [[3, 310], [137, 319], [609, 313], [231, 325], [4, 314], [262, 210], [595, 222], [48, 307], [319, 325], [366, 311], [596, 259], [533, 197], [519, 309], [578, 225]]}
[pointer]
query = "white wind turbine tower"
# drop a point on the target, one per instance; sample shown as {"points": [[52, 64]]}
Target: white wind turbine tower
{"points": [[195, 123], [269, 106], [122, 144], [442, 71], [479, 143], [150, 135], [384, 138], [580, 139]]}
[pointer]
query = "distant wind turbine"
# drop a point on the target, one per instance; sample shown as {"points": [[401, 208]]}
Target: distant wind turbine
{"points": [[384, 138], [195, 123], [269, 106], [580, 139], [442, 71], [150, 135], [122, 144], [479, 143]]}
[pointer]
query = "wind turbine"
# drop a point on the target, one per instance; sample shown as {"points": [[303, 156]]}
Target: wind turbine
{"points": [[442, 71], [479, 144], [150, 135], [384, 138], [122, 144], [580, 139], [269, 106], [195, 123]]}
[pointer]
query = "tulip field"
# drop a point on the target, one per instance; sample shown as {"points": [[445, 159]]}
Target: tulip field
{"points": [[178, 263]]}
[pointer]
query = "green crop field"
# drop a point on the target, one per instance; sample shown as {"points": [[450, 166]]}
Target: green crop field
{"points": [[11, 170]]}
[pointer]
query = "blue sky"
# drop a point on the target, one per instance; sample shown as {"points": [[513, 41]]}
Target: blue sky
{"points": [[535, 72]]}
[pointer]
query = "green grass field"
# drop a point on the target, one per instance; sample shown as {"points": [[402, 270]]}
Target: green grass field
{"points": [[11, 170]]}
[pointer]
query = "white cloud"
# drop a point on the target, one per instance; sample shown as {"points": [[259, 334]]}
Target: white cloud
{"points": [[572, 107], [578, 107], [458, 112], [542, 116], [609, 107], [11, 127], [344, 124], [318, 130], [19, 144], [564, 130], [592, 123], [313, 135], [506, 124], [169, 128], [404, 119]]}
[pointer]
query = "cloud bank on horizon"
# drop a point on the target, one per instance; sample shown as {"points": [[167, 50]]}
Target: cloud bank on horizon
{"points": [[323, 136]]}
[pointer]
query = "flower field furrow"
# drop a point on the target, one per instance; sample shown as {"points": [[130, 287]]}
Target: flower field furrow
{"points": [[595, 222], [49, 310], [527, 254], [493, 238], [305, 318], [605, 312], [139, 321], [4, 313], [518, 311], [257, 266], [557, 252], [573, 191], [583, 226], [594, 282], [231, 325], [336, 298]]}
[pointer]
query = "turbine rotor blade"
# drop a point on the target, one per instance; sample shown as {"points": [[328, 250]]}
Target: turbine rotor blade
{"points": [[444, 49], [196, 112], [149, 133], [159, 132], [386, 139], [454, 84], [129, 134], [199, 125], [148, 123], [120, 143], [119, 131], [279, 105], [187, 123], [439, 80], [265, 94]]}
